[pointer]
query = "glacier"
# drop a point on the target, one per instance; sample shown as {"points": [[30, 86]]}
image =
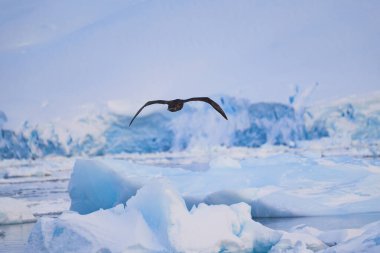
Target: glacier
{"points": [[348, 124], [250, 125]]}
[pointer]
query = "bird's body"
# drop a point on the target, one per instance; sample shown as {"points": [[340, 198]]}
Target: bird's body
{"points": [[177, 104]]}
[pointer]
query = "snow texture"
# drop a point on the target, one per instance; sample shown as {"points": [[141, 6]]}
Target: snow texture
{"points": [[14, 211]]}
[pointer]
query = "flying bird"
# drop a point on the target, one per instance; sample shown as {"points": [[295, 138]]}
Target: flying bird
{"points": [[177, 104]]}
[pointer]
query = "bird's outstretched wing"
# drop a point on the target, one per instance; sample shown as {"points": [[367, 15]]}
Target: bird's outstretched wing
{"points": [[146, 104], [209, 101]]}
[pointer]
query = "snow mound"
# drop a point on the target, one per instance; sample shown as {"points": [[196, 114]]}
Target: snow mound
{"points": [[14, 211], [155, 219]]}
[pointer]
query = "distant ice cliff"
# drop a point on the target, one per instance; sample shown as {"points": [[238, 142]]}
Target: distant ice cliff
{"points": [[346, 122]]}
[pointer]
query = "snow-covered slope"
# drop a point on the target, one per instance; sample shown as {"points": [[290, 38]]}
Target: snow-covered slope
{"points": [[350, 123]]}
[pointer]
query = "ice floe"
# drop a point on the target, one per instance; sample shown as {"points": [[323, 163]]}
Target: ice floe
{"points": [[14, 211]]}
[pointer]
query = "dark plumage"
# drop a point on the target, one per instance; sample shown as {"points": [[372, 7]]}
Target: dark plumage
{"points": [[177, 104]]}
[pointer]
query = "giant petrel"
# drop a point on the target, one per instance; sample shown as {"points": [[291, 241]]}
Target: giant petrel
{"points": [[177, 104]]}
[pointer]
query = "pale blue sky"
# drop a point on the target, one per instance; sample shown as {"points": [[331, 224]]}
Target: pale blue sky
{"points": [[55, 57]]}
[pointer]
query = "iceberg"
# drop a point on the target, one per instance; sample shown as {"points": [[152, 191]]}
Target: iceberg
{"points": [[112, 230], [284, 185], [110, 188], [156, 219], [14, 211]]}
